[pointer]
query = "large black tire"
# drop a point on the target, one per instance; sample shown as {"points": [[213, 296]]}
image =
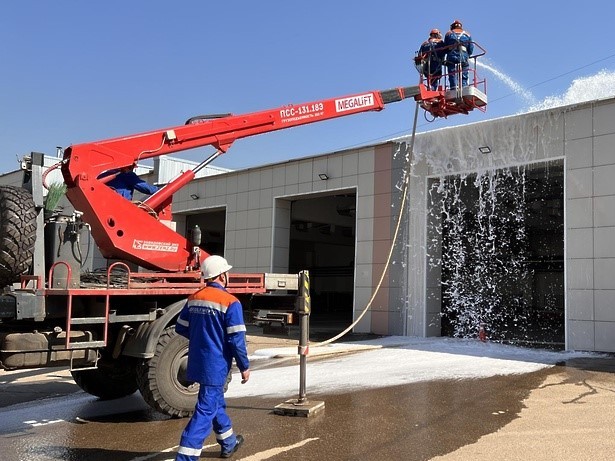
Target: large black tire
{"points": [[162, 379], [17, 233], [113, 379]]}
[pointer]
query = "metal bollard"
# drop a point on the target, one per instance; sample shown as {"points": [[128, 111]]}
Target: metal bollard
{"points": [[303, 308], [301, 406]]}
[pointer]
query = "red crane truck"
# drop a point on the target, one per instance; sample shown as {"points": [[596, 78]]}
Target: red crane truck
{"points": [[117, 333]]}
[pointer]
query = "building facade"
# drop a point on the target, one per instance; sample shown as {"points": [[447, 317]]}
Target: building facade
{"points": [[505, 226], [337, 214]]}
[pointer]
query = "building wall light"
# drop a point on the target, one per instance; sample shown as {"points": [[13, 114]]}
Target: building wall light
{"points": [[484, 149], [323, 176], [194, 196]]}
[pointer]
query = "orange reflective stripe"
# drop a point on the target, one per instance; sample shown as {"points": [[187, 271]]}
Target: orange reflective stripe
{"points": [[215, 295]]}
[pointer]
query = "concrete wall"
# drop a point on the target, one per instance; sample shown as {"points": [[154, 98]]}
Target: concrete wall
{"points": [[589, 145], [257, 203]]}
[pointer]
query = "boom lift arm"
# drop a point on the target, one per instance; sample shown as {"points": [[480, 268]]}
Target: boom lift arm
{"points": [[136, 232]]}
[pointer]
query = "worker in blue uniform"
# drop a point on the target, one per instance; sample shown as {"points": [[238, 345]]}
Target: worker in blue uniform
{"points": [[212, 320], [460, 47], [126, 182], [430, 58]]}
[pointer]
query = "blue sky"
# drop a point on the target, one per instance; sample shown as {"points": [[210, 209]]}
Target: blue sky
{"points": [[79, 71]]}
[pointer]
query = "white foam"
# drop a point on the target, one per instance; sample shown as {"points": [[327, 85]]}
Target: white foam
{"points": [[582, 89], [400, 360]]}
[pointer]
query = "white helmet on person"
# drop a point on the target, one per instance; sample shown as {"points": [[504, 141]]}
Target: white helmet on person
{"points": [[213, 266]]}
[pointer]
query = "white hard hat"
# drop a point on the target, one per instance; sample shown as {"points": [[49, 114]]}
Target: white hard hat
{"points": [[214, 265]]}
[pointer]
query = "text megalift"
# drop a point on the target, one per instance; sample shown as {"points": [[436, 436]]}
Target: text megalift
{"points": [[354, 102]]}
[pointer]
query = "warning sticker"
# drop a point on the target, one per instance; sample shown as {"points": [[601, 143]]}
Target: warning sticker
{"points": [[150, 245]]}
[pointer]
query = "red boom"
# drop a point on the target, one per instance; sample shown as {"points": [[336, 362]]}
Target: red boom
{"points": [[125, 230]]}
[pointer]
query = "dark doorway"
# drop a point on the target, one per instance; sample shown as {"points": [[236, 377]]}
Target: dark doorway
{"points": [[502, 253], [322, 240], [212, 226]]}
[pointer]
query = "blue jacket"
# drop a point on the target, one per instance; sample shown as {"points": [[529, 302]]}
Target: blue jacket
{"points": [[127, 182], [212, 320], [459, 46], [433, 51]]}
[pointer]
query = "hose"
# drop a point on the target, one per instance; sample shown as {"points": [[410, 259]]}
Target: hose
{"points": [[404, 193], [47, 171]]}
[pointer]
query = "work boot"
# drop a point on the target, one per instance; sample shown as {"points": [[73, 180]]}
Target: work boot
{"points": [[228, 454]]}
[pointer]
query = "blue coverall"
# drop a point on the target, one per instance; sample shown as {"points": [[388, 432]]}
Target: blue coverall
{"points": [[432, 50], [212, 320], [459, 49], [125, 183]]}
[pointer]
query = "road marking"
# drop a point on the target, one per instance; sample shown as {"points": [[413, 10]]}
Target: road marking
{"points": [[44, 422], [276, 451], [255, 457], [168, 450]]}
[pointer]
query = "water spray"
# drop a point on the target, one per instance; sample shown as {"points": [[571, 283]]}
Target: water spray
{"points": [[527, 95]]}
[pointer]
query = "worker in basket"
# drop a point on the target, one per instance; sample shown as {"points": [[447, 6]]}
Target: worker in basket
{"points": [[430, 57], [459, 48]]}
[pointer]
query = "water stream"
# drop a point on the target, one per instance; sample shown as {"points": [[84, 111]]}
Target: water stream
{"points": [[526, 95], [597, 86]]}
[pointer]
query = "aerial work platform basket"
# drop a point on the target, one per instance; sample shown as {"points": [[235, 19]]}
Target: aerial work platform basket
{"points": [[444, 100]]}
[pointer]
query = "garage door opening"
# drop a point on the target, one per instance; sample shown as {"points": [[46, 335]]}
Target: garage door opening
{"points": [[498, 239], [322, 240], [212, 225]]}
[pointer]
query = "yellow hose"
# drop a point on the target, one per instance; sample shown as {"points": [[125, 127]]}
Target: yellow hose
{"points": [[404, 192]]}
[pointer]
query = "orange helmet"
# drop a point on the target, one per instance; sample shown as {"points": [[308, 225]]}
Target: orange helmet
{"points": [[434, 32], [456, 24]]}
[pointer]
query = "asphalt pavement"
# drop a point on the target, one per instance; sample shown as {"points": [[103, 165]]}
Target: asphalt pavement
{"points": [[562, 412]]}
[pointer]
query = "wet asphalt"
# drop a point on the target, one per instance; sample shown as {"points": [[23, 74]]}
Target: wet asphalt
{"points": [[46, 417]]}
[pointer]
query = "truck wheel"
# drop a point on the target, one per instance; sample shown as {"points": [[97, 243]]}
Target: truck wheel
{"points": [[17, 233], [162, 379], [112, 379]]}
